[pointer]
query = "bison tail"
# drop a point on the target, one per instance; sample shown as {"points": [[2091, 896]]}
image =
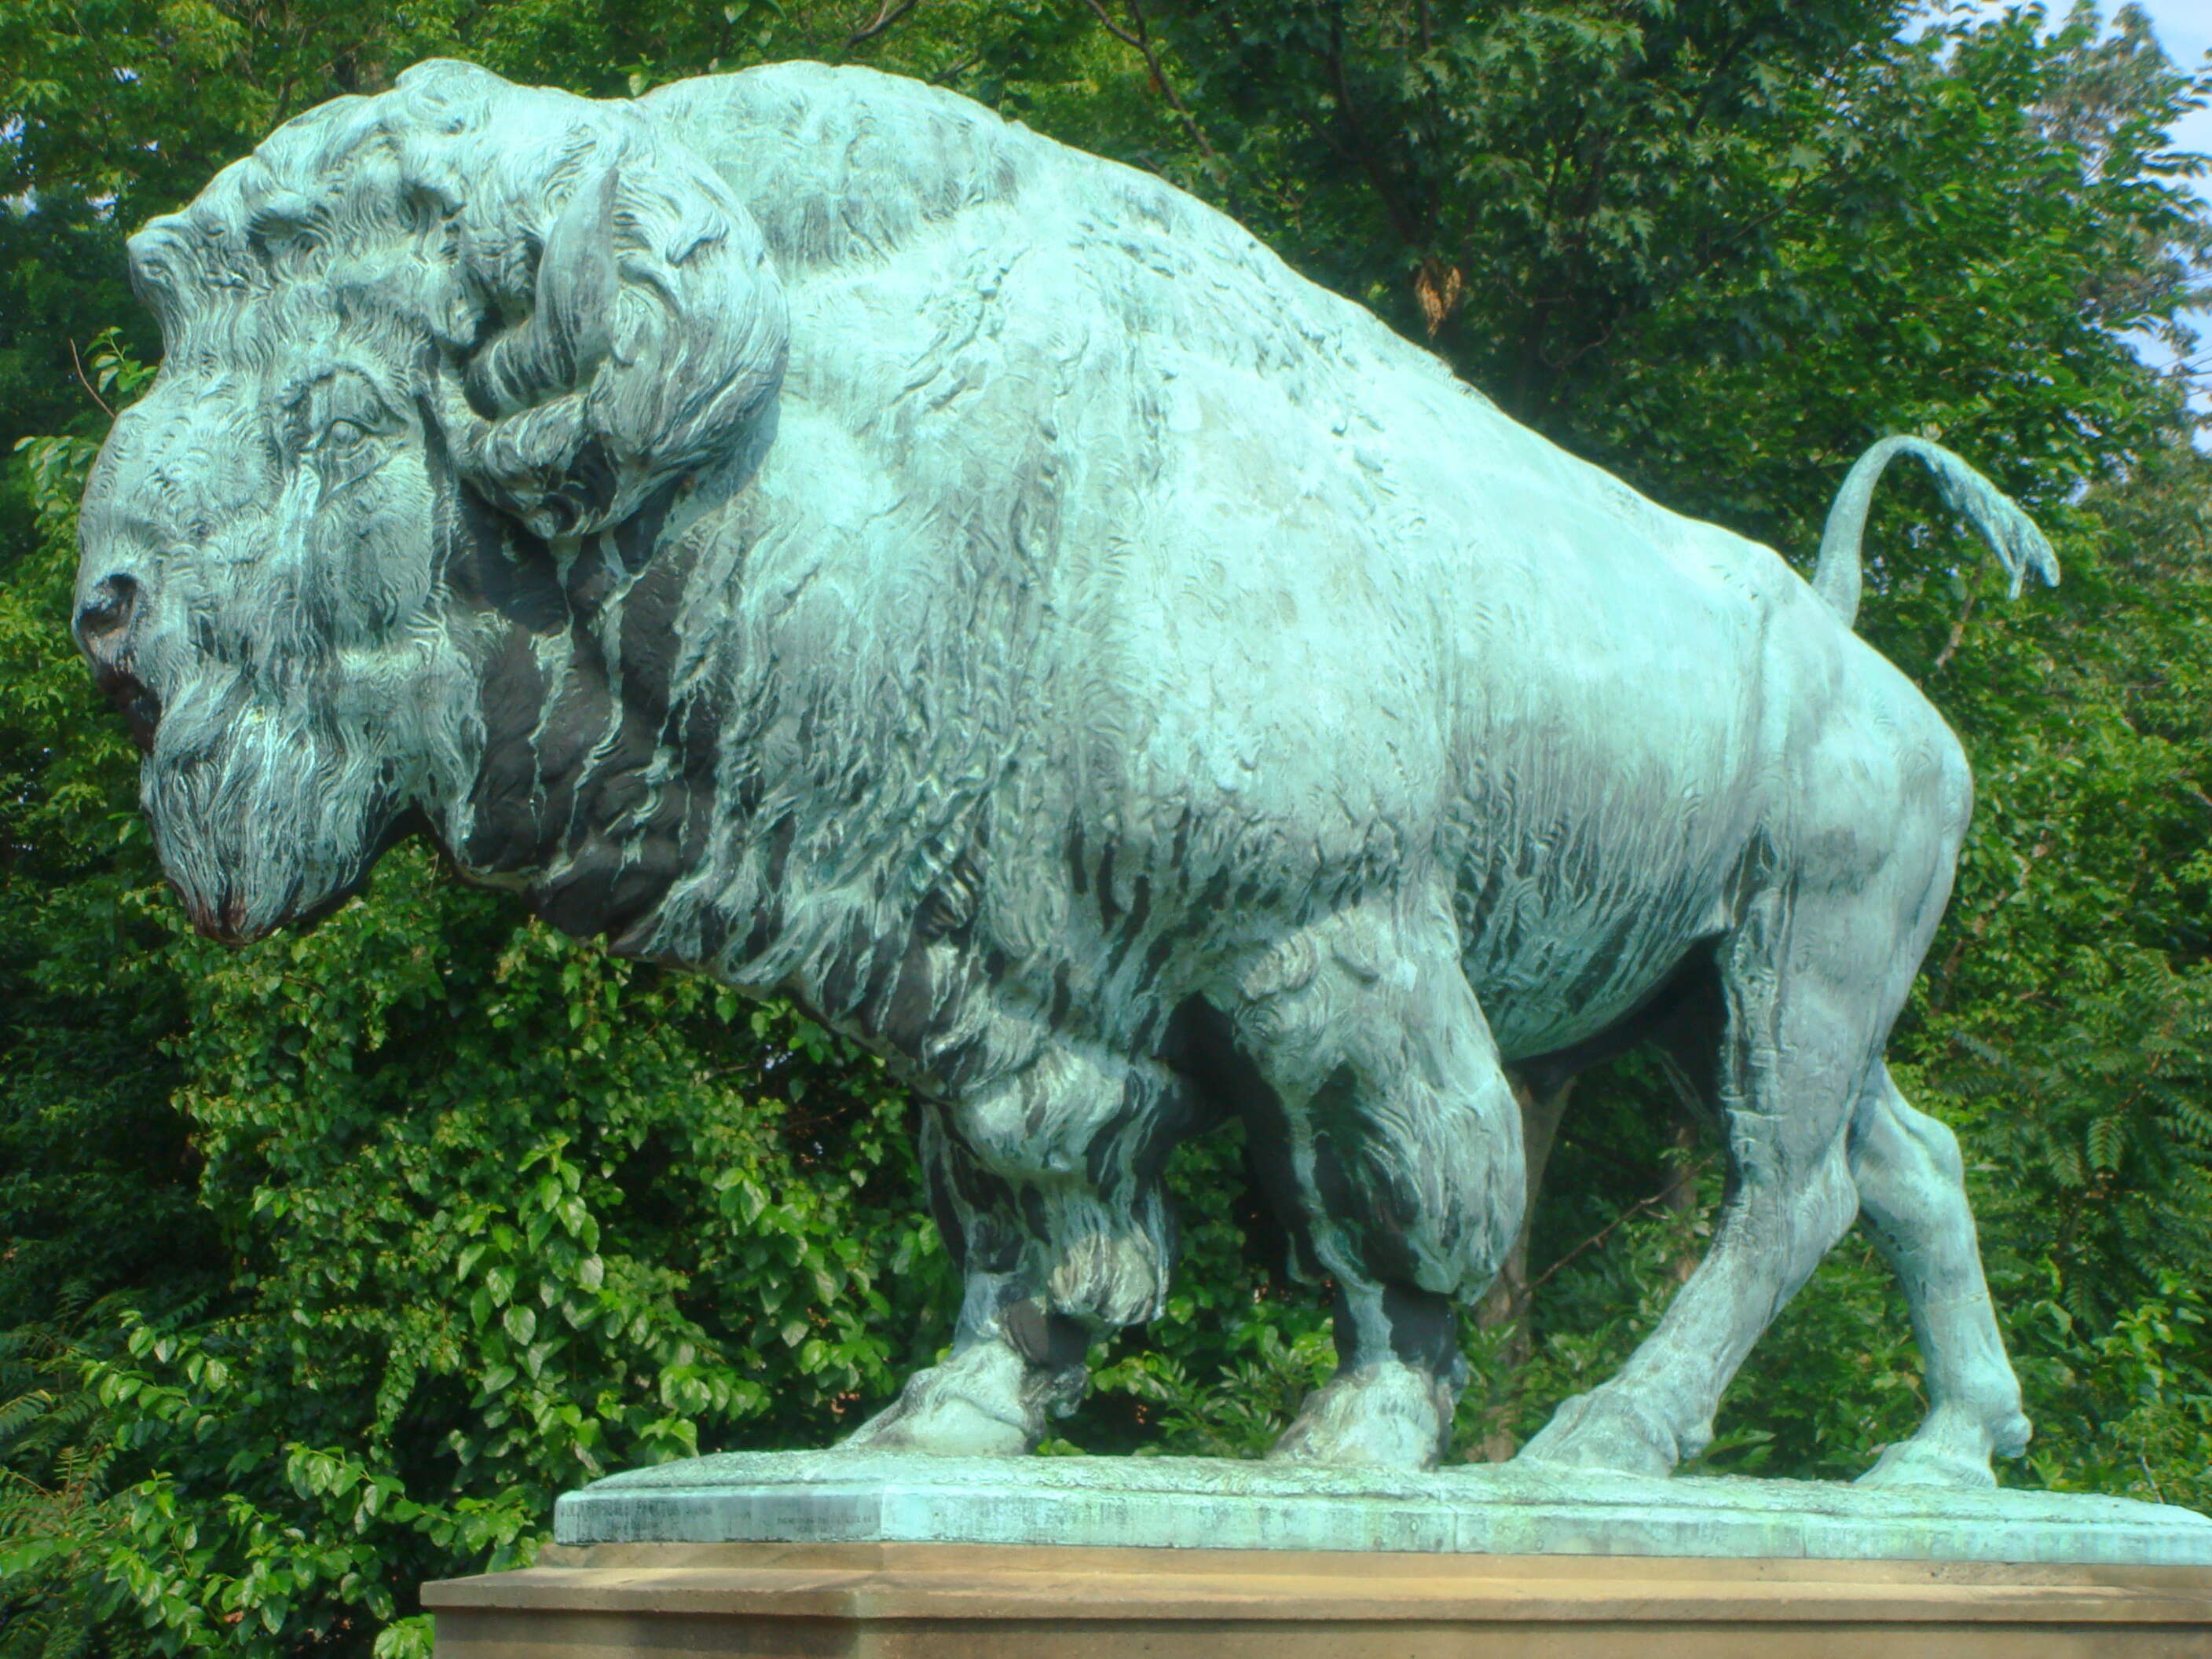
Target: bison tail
{"points": [[2019, 546]]}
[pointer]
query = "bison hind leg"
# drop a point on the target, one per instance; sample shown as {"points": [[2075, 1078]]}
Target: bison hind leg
{"points": [[1912, 1197], [1382, 1124], [1814, 972]]}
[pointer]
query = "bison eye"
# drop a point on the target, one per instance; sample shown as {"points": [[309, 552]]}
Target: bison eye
{"points": [[344, 436], [330, 420]]}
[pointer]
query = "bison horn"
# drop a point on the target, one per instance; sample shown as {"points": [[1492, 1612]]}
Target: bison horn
{"points": [[566, 336], [653, 327]]}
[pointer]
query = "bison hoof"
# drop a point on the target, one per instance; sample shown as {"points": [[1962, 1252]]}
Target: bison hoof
{"points": [[985, 1401], [1952, 1449], [1603, 1430], [1909, 1463], [1388, 1416]]}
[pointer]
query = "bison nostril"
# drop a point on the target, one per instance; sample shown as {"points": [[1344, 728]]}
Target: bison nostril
{"points": [[106, 610]]}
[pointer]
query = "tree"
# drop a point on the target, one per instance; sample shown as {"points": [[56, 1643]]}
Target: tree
{"points": [[329, 1261]]}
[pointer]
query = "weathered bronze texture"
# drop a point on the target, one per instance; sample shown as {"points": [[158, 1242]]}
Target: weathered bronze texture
{"points": [[802, 528]]}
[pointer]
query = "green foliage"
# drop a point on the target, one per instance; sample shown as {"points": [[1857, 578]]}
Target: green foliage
{"points": [[325, 1265], [2131, 1398]]}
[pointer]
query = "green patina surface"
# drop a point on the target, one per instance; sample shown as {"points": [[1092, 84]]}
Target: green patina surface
{"points": [[800, 527], [1496, 1509]]}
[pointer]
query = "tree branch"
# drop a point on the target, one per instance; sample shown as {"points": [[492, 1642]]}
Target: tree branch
{"points": [[78, 362], [1951, 644], [887, 14], [1138, 38], [1599, 1237]]}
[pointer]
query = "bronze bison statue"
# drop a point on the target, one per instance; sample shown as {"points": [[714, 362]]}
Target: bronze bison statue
{"points": [[802, 528]]}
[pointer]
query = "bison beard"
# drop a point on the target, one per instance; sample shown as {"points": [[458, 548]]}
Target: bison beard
{"points": [[271, 802]]}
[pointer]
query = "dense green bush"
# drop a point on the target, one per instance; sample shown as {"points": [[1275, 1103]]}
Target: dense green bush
{"points": [[326, 1264]]}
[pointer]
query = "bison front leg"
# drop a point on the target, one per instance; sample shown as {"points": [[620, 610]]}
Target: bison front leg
{"points": [[1045, 1188], [1388, 1135], [1014, 1363]]}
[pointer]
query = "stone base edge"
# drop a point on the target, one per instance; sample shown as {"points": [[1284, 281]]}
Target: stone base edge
{"points": [[957, 1601]]}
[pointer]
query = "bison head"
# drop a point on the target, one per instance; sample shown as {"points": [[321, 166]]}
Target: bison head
{"points": [[456, 312]]}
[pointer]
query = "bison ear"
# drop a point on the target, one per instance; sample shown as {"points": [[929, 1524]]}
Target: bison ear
{"points": [[652, 333]]}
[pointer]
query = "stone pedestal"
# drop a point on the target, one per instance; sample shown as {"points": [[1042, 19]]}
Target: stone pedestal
{"points": [[985, 1601], [775, 1556]]}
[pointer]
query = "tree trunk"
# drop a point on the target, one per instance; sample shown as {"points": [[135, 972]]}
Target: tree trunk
{"points": [[1681, 1200], [1505, 1304]]}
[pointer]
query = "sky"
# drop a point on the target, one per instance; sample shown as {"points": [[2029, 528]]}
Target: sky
{"points": [[2184, 27]]}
